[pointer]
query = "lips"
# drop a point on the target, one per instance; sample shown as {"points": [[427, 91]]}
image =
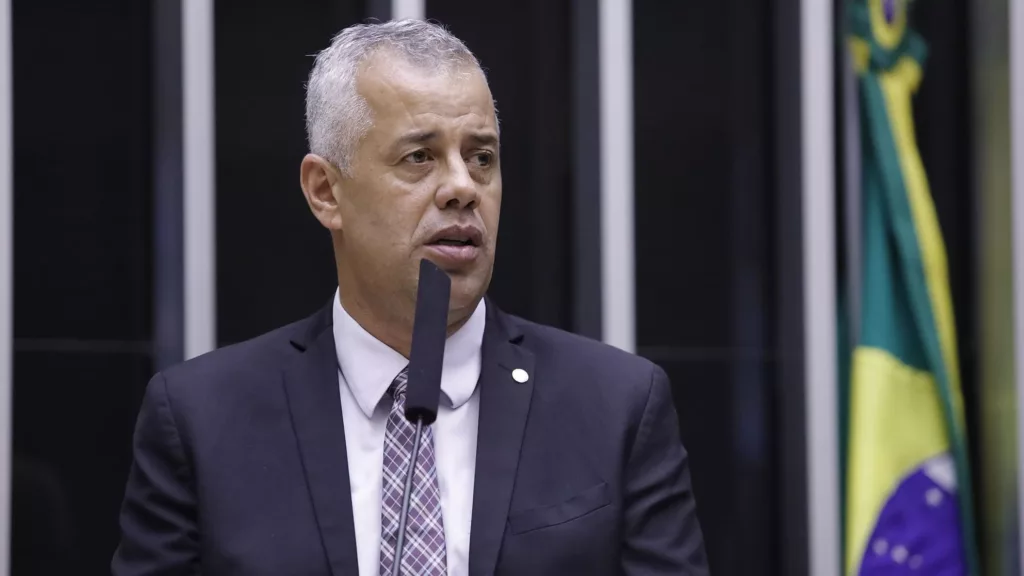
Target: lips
{"points": [[457, 236], [455, 246]]}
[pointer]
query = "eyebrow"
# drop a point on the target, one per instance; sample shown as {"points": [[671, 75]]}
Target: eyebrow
{"points": [[422, 136], [484, 139], [417, 137]]}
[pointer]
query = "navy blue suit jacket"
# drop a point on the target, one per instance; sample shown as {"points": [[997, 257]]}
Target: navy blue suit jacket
{"points": [[240, 467]]}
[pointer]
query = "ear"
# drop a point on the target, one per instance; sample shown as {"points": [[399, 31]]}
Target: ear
{"points": [[318, 179]]}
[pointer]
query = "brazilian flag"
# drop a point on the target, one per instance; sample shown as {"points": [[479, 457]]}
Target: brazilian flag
{"points": [[908, 505]]}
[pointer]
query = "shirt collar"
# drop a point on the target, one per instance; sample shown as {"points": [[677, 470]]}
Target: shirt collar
{"points": [[369, 366]]}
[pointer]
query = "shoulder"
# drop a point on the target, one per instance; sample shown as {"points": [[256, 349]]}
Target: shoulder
{"points": [[255, 354], [576, 349], [243, 367], [591, 391], [578, 361]]}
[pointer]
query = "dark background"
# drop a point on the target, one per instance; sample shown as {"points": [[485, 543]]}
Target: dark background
{"points": [[706, 260], [711, 225], [82, 269]]}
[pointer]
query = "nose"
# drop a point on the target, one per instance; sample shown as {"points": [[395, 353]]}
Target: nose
{"points": [[458, 190]]}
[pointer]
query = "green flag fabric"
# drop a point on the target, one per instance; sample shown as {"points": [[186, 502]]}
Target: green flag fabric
{"points": [[907, 484]]}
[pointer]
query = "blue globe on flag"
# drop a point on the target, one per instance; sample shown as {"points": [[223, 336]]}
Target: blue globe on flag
{"points": [[918, 530]]}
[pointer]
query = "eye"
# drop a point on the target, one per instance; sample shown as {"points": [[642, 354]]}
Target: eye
{"points": [[483, 159], [418, 157]]}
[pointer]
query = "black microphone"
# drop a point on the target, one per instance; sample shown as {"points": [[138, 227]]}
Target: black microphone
{"points": [[426, 355], [423, 389]]}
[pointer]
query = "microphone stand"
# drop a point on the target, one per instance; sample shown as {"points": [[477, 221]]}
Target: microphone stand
{"points": [[396, 567], [426, 361]]}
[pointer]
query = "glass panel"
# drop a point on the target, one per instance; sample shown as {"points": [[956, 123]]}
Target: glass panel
{"points": [[74, 413], [706, 256], [82, 170], [275, 264], [83, 288]]}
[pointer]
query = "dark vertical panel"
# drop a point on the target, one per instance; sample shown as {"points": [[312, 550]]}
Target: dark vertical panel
{"points": [[527, 60], [82, 169], [683, 158], [586, 145], [706, 264], [753, 261], [83, 288], [74, 413], [791, 451], [274, 260], [168, 227]]}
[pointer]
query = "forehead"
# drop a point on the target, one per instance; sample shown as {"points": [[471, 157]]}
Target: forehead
{"points": [[403, 94]]}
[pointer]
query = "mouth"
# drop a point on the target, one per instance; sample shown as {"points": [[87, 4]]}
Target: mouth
{"points": [[457, 236], [455, 247]]}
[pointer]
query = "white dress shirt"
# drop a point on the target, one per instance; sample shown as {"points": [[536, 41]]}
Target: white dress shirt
{"points": [[366, 368]]}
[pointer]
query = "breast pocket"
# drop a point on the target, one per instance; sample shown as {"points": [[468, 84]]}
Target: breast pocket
{"points": [[580, 505]]}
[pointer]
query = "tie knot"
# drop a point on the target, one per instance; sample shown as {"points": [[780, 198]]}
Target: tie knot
{"points": [[397, 388]]}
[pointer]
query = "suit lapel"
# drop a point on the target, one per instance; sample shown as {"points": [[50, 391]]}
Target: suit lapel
{"points": [[311, 385], [504, 404]]}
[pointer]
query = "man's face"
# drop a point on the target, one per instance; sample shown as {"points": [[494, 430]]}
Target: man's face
{"points": [[424, 182]]}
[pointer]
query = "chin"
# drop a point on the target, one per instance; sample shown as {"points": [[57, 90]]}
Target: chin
{"points": [[466, 292]]}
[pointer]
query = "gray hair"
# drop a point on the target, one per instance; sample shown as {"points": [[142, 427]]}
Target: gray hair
{"points": [[337, 116]]}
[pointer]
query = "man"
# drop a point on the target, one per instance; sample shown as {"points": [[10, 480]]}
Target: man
{"points": [[285, 455]]}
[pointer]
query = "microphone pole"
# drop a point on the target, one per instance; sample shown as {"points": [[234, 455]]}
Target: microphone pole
{"points": [[396, 568], [423, 390]]}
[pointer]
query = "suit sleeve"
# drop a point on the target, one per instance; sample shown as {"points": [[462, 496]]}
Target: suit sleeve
{"points": [[662, 534], [159, 536]]}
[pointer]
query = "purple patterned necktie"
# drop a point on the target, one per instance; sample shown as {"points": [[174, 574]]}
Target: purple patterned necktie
{"points": [[423, 551]]}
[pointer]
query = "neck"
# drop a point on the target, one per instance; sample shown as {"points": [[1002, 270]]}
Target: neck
{"points": [[394, 330]]}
